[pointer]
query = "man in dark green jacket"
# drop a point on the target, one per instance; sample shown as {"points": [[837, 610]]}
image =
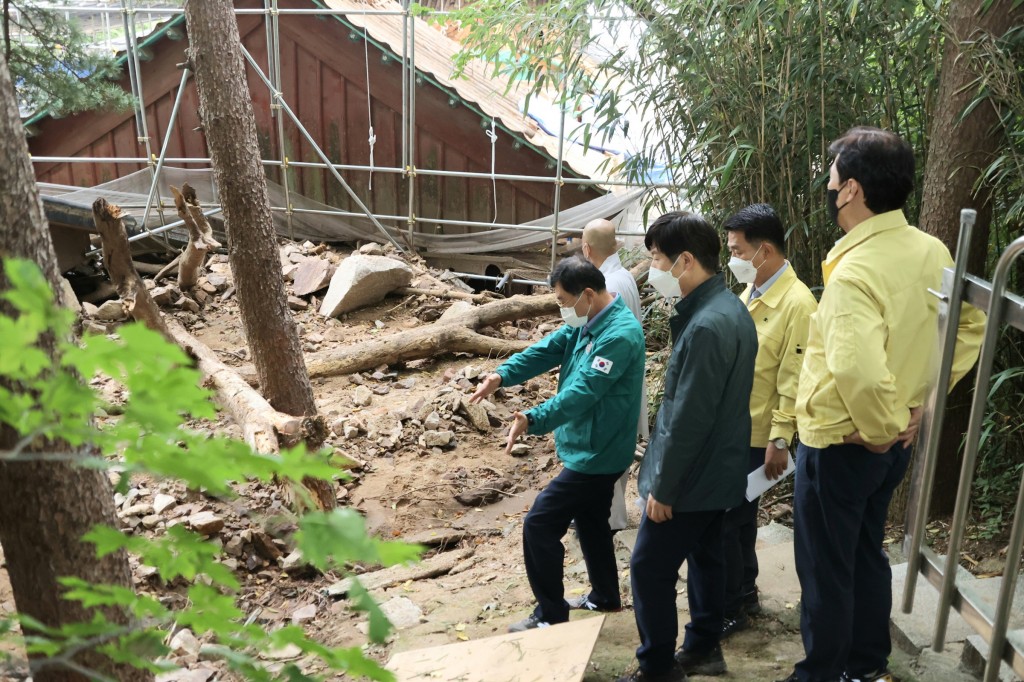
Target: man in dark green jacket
{"points": [[600, 351], [696, 462]]}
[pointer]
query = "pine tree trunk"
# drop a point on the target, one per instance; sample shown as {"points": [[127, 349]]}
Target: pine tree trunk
{"points": [[225, 109], [958, 152], [46, 507]]}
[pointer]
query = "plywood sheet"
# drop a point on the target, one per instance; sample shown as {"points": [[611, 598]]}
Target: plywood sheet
{"points": [[559, 653]]}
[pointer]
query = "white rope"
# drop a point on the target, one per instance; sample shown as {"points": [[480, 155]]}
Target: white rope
{"points": [[369, 104], [493, 137]]}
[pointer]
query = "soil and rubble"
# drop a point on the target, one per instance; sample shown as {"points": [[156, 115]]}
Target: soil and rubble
{"points": [[424, 465]]}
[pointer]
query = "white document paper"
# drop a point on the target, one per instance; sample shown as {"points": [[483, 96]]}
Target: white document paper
{"points": [[758, 483]]}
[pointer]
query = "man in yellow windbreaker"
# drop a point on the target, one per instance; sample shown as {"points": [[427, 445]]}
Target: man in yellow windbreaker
{"points": [[781, 306], [869, 360]]}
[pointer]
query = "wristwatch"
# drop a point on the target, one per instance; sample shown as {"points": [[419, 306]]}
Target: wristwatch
{"points": [[529, 419], [781, 443]]}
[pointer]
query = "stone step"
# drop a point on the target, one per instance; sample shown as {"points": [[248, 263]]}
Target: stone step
{"points": [[976, 649], [976, 652], [914, 631]]}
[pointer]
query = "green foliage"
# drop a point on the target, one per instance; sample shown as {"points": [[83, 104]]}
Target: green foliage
{"points": [[51, 402], [739, 98], [1001, 449], [54, 67]]}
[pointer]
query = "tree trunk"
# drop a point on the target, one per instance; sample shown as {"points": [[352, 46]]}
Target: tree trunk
{"points": [[225, 109], [454, 332], [200, 237], [958, 152], [46, 507], [117, 258], [413, 344]]}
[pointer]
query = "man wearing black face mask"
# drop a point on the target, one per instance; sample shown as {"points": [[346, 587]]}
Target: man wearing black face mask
{"points": [[858, 405]]}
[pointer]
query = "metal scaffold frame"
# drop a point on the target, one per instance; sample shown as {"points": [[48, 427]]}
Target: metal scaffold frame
{"points": [[280, 110]]}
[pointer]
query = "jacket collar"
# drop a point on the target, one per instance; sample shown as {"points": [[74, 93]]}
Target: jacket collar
{"points": [[776, 292], [874, 225], [594, 328], [695, 300]]}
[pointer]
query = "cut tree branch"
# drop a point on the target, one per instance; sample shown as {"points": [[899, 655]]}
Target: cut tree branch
{"points": [[452, 294], [456, 333], [117, 258], [200, 236]]}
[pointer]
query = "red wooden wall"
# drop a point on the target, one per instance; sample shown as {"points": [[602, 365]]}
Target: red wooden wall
{"points": [[323, 76]]}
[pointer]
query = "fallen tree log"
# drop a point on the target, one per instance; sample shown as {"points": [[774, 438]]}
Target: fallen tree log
{"points": [[453, 294], [435, 566], [457, 334], [265, 429], [147, 268], [414, 344]]}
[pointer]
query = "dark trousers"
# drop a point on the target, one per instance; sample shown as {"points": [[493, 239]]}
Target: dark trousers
{"points": [[739, 536], [841, 502], [654, 570], [587, 498]]}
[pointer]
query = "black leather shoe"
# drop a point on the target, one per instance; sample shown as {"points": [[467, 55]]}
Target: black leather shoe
{"points": [[710, 662], [876, 676], [751, 603], [674, 674], [735, 624]]}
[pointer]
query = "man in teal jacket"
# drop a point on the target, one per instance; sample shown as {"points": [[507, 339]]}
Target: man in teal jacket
{"points": [[696, 462], [601, 352]]}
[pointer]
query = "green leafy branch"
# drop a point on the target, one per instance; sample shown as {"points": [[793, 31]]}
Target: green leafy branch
{"points": [[47, 399]]}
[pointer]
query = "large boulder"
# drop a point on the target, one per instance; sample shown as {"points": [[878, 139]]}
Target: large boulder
{"points": [[362, 280]]}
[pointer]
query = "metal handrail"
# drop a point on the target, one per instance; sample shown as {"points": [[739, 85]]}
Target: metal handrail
{"points": [[936, 407], [1002, 308], [978, 406]]}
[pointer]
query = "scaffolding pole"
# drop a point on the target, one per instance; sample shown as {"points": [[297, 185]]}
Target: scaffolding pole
{"points": [[558, 182], [279, 96], [412, 128], [239, 11], [135, 81], [274, 71], [544, 179], [444, 221], [154, 186]]}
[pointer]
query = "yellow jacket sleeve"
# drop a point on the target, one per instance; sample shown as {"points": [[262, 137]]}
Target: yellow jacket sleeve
{"points": [[968, 342], [856, 357], [794, 343]]}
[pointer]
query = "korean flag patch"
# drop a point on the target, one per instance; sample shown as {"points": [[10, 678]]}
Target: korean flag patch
{"points": [[601, 364]]}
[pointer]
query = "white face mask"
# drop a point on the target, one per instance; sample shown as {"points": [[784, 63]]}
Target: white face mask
{"points": [[744, 271], [664, 282], [570, 317]]}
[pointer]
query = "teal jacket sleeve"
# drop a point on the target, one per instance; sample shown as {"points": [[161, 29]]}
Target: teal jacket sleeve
{"points": [[698, 393], [611, 357], [542, 356]]}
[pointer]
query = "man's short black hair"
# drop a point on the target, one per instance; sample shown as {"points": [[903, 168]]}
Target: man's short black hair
{"points": [[681, 231], [758, 223], [881, 161], [576, 274]]}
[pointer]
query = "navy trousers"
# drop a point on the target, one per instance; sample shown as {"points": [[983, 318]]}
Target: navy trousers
{"points": [[841, 502], [654, 570], [739, 537], [587, 498]]}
